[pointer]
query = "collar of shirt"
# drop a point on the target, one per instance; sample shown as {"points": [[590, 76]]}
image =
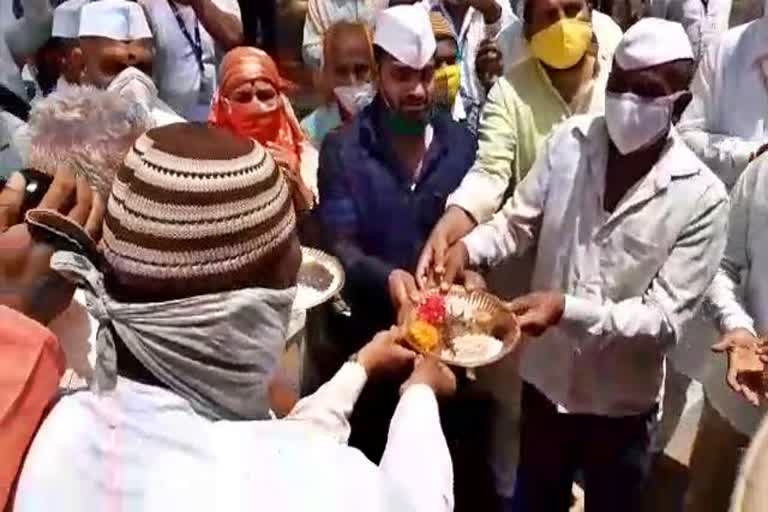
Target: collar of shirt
{"points": [[595, 137]]}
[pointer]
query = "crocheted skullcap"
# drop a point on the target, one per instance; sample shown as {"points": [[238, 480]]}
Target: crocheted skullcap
{"points": [[194, 210]]}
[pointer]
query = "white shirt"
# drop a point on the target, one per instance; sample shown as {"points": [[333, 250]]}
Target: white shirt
{"points": [[21, 38], [469, 35], [703, 23], [738, 297], [726, 121], [11, 155], [177, 73], [631, 278], [142, 448]]}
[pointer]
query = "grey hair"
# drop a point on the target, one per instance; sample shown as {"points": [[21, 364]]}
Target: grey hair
{"points": [[86, 130]]}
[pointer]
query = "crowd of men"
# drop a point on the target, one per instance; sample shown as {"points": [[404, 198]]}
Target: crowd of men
{"points": [[601, 172]]}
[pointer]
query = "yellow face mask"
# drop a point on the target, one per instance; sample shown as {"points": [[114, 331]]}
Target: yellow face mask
{"points": [[562, 44], [447, 82]]}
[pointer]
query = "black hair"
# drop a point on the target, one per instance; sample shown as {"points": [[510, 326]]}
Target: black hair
{"points": [[528, 8], [378, 54]]}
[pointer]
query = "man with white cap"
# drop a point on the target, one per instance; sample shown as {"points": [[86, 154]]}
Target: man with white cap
{"points": [[191, 38], [629, 229], [383, 181], [726, 124], [562, 54], [117, 52], [56, 64]]}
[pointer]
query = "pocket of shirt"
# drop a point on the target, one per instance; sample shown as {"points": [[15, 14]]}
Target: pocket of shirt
{"points": [[629, 264]]}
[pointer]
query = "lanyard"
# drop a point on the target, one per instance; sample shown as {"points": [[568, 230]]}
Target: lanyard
{"points": [[197, 46]]}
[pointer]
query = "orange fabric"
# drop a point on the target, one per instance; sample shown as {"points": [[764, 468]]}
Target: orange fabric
{"points": [[279, 126], [31, 365]]}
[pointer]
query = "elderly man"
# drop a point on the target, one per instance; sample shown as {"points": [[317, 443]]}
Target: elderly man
{"points": [[117, 52], [186, 347], [346, 79], [88, 132], [725, 124], [629, 229], [323, 14], [32, 361], [191, 38], [472, 22], [737, 300]]}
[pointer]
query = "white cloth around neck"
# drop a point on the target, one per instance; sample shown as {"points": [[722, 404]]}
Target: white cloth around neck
{"points": [[405, 32], [120, 20], [66, 19], [650, 42]]}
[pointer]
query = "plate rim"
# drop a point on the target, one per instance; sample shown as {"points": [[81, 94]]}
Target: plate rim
{"points": [[321, 255]]}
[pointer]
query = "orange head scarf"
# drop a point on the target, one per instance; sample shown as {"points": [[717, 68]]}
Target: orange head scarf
{"points": [[279, 125]]}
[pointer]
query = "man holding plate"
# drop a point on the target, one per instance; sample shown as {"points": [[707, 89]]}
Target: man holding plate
{"points": [[629, 229]]}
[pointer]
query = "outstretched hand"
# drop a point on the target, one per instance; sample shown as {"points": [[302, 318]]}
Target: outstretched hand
{"points": [[385, 354], [746, 364], [454, 224], [538, 311]]}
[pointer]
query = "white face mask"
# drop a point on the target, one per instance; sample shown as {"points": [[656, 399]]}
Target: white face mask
{"points": [[354, 98], [635, 122]]}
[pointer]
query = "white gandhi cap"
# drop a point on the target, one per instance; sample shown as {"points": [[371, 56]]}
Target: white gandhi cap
{"points": [[66, 19], [650, 42], [114, 19], [405, 32]]}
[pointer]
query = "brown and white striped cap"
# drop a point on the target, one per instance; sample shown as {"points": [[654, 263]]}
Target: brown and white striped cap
{"points": [[194, 210]]}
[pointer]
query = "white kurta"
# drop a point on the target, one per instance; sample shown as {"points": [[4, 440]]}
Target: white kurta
{"points": [[738, 297], [726, 121], [11, 155], [143, 449], [704, 22], [177, 73], [631, 278], [21, 38]]}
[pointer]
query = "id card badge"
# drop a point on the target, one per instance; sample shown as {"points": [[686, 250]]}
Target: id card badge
{"points": [[207, 84]]}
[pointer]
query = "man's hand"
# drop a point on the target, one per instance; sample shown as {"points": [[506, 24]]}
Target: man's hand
{"points": [[488, 64], [456, 262], [745, 366], [431, 372], [474, 281], [538, 311], [454, 224], [490, 8], [27, 283], [403, 292], [384, 354]]}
